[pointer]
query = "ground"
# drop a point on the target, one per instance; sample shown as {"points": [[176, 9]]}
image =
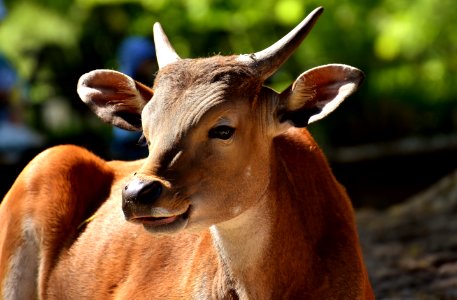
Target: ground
{"points": [[411, 248]]}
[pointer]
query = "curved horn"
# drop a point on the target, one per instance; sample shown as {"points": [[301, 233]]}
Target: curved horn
{"points": [[267, 61], [164, 51]]}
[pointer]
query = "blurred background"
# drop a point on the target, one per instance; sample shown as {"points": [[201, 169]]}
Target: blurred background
{"points": [[391, 140]]}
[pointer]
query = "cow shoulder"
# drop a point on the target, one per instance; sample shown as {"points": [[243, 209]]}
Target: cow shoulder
{"points": [[59, 189]]}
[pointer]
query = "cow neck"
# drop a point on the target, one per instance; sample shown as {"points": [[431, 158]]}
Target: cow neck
{"points": [[253, 247], [242, 245]]}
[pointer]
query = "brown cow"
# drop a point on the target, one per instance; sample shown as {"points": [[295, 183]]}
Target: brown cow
{"points": [[234, 200]]}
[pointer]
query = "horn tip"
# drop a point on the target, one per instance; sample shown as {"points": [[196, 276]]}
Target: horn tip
{"points": [[157, 26], [317, 11]]}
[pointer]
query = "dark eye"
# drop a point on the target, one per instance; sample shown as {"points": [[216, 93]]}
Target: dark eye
{"points": [[222, 132], [142, 142]]}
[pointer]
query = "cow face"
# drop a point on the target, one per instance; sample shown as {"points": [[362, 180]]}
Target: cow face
{"points": [[209, 126]]}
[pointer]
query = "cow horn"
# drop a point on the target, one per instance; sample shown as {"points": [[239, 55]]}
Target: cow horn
{"points": [[164, 51], [267, 61]]}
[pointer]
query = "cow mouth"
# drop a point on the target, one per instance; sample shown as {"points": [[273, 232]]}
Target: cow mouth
{"points": [[164, 223]]}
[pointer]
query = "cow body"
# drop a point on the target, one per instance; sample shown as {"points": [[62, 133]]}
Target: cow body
{"points": [[233, 201], [127, 262]]}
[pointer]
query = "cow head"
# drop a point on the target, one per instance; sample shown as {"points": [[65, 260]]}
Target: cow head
{"points": [[209, 125]]}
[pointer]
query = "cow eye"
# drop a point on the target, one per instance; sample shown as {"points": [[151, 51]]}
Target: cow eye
{"points": [[222, 132]]}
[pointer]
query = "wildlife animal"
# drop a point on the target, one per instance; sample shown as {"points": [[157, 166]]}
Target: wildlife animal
{"points": [[235, 200]]}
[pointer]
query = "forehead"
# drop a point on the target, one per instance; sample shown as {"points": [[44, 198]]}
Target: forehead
{"points": [[189, 88], [203, 73]]}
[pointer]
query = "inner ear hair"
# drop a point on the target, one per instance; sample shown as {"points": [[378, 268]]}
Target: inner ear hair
{"points": [[302, 96], [127, 120], [293, 109]]}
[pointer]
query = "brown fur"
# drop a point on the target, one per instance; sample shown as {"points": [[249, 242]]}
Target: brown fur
{"points": [[314, 251], [247, 207]]}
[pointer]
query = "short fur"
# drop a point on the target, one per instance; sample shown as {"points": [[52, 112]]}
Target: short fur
{"points": [[234, 201]]}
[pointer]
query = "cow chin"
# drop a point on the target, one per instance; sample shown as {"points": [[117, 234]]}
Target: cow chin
{"points": [[166, 225], [169, 223]]}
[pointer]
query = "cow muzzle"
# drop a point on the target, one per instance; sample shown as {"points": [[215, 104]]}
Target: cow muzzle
{"points": [[141, 192], [145, 202]]}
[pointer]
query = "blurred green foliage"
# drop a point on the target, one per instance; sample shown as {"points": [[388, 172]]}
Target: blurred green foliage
{"points": [[408, 50]]}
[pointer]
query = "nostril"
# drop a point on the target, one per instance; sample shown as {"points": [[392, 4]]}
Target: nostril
{"points": [[141, 192], [150, 192]]}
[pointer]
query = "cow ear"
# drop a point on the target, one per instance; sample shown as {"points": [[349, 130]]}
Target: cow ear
{"points": [[317, 92], [115, 97]]}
